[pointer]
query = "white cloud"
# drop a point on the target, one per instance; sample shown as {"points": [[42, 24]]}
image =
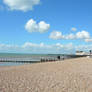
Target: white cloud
{"points": [[23, 5], [32, 26], [70, 36], [57, 48], [9, 47], [79, 35], [84, 47], [83, 35], [43, 27], [29, 47], [43, 48], [56, 35], [59, 45], [74, 29], [28, 44]]}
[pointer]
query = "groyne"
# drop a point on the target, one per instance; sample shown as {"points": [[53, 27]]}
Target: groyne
{"points": [[42, 59]]}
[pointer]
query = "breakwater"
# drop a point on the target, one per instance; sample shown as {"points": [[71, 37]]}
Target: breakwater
{"points": [[37, 58]]}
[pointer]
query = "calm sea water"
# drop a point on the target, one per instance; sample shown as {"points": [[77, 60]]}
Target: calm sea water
{"points": [[25, 57], [10, 64]]}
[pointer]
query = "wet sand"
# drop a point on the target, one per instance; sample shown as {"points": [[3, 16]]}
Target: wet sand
{"points": [[73, 75]]}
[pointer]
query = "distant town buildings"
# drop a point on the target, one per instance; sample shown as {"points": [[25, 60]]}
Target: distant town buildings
{"points": [[83, 53]]}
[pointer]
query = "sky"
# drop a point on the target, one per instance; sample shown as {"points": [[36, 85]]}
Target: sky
{"points": [[45, 26]]}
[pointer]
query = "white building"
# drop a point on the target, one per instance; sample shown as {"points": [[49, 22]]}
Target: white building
{"points": [[81, 53]]}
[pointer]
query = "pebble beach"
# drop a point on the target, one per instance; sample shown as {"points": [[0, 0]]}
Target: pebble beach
{"points": [[73, 75]]}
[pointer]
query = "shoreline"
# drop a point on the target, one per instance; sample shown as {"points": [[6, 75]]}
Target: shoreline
{"points": [[41, 61], [37, 63]]}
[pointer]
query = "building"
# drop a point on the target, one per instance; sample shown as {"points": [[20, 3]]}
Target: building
{"points": [[81, 53]]}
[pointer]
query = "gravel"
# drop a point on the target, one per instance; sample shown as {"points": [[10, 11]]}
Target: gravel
{"points": [[73, 75]]}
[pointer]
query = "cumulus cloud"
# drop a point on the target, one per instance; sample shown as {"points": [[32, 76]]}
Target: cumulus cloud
{"points": [[74, 29], [29, 44], [57, 48], [59, 45], [29, 47], [53, 48], [56, 35], [79, 35], [83, 35], [23, 5], [9, 48], [70, 36], [43, 27], [33, 26], [83, 47]]}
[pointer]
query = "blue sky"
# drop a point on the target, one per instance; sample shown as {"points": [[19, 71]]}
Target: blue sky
{"points": [[60, 17]]}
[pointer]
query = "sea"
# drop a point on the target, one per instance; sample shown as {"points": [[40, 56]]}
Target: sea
{"points": [[26, 57]]}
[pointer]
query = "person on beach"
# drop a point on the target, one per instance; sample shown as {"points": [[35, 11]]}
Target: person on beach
{"points": [[58, 57], [90, 52]]}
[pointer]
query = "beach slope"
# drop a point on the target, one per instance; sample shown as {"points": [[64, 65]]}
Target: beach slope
{"points": [[73, 75]]}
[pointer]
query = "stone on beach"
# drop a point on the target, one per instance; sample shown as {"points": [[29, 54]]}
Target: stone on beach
{"points": [[73, 75]]}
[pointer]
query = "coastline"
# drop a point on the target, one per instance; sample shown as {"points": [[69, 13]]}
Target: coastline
{"points": [[62, 76]]}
